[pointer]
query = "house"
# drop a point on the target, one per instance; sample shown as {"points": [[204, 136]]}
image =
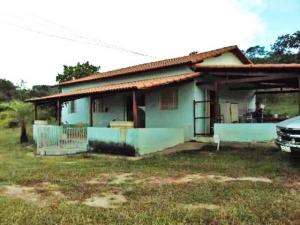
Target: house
{"points": [[159, 104]]}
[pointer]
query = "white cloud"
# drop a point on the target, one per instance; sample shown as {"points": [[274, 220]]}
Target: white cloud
{"points": [[158, 28]]}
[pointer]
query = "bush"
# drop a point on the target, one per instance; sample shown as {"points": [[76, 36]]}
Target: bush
{"points": [[6, 119], [112, 148]]}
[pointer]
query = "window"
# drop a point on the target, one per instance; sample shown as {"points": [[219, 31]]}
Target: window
{"points": [[72, 107], [99, 106], [168, 99]]}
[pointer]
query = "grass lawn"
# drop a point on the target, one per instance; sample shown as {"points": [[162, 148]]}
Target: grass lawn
{"points": [[196, 187]]}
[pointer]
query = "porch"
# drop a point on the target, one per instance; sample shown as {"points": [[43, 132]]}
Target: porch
{"points": [[233, 120], [149, 115]]}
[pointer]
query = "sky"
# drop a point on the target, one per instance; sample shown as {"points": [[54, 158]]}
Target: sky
{"points": [[38, 37]]}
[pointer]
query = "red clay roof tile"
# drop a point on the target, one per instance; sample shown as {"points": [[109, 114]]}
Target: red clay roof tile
{"points": [[189, 59], [139, 85]]}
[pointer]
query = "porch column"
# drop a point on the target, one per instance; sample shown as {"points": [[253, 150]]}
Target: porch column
{"points": [[35, 112], [91, 107], [134, 109], [58, 112], [216, 101]]}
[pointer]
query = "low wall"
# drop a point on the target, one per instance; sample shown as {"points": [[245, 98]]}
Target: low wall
{"points": [[150, 140], [245, 132], [103, 134], [144, 140]]}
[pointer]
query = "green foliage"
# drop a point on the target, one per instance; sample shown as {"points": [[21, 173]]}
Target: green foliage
{"points": [[78, 71], [5, 119], [283, 104], [21, 111], [8, 90], [42, 90], [286, 49]]}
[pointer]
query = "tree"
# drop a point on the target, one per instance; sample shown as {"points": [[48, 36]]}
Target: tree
{"points": [[7, 90], [42, 90], [256, 54], [286, 49], [78, 71], [23, 113]]}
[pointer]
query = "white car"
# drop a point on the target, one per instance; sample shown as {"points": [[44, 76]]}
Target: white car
{"points": [[288, 135]]}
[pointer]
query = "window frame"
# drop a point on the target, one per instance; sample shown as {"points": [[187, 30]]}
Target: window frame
{"points": [[166, 92], [98, 106], [72, 107]]}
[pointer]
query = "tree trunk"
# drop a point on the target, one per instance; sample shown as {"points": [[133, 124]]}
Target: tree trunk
{"points": [[24, 137]]}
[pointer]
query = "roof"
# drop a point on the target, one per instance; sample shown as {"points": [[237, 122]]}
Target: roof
{"points": [[294, 67], [188, 59], [134, 85]]}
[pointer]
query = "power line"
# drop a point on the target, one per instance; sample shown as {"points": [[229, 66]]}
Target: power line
{"points": [[97, 40], [86, 40]]}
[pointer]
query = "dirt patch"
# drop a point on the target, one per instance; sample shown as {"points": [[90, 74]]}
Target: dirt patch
{"points": [[114, 179], [40, 194], [108, 201], [121, 178], [102, 179], [27, 194], [294, 184], [199, 206], [201, 177]]}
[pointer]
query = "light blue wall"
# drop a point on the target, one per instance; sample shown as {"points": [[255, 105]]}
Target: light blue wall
{"points": [[116, 110], [81, 114], [144, 140], [116, 103], [245, 132], [151, 140], [181, 117], [103, 134]]}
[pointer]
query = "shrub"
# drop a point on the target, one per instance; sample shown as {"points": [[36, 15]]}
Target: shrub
{"points": [[112, 148]]}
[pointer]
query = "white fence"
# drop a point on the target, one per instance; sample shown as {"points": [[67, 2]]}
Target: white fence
{"points": [[60, 140]]}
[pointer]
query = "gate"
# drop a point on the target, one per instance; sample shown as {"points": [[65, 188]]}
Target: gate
{"points": [[202, 117], [56, 140]]}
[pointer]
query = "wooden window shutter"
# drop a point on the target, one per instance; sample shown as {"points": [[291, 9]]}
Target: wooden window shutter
{"points": [[168, 98]]}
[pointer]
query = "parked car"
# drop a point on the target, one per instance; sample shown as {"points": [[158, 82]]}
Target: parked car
{"points": [[288, 135]]}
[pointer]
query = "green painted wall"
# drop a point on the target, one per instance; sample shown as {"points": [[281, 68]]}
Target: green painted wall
{"points": [[81, 114], [151, 140], [144, 140], [116, 106], [104, 134], [181, 117], [245, 132], [115, 103]]}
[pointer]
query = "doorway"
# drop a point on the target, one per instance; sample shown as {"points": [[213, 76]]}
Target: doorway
{"points": [[141, 110]]}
